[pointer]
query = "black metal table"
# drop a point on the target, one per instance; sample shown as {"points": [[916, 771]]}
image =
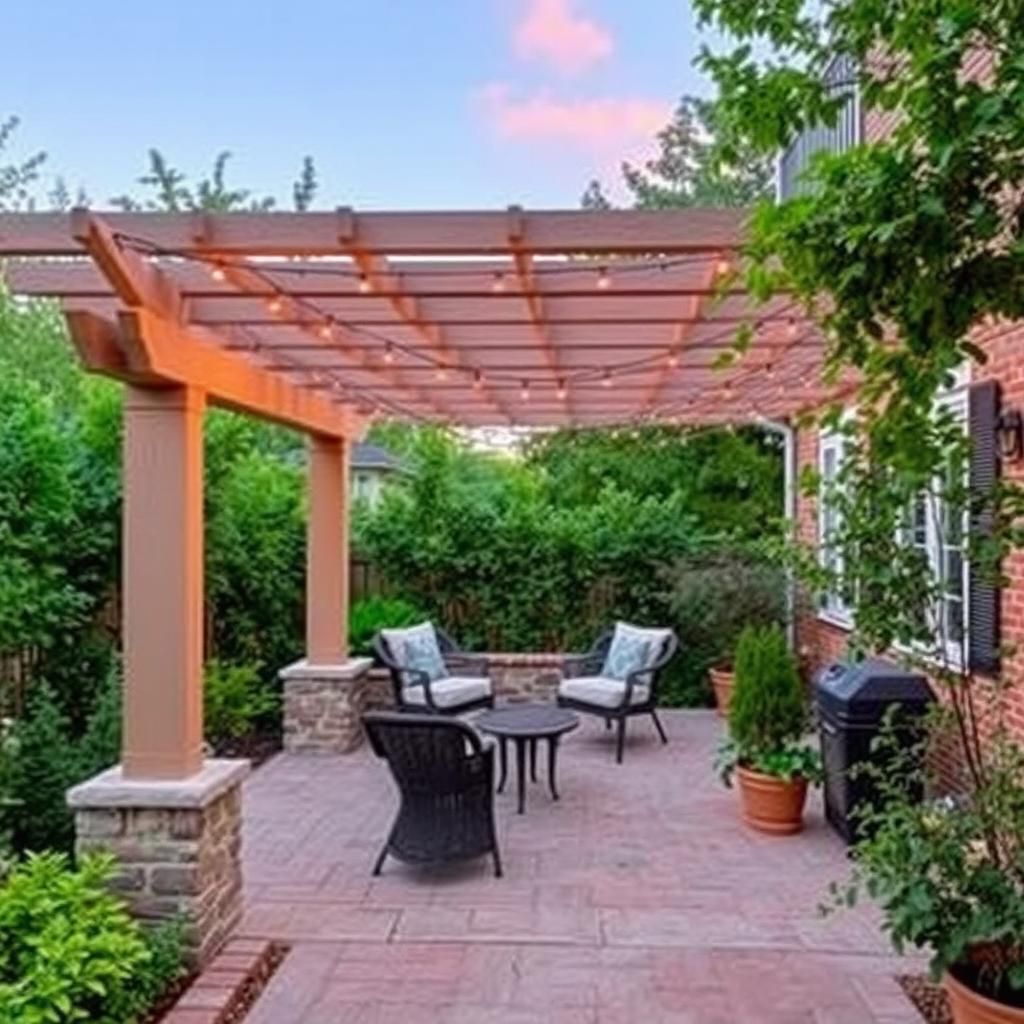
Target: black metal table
{"points": [[525, 724]]}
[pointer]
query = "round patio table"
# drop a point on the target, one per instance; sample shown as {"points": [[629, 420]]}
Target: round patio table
{"points": [[524, 725]]}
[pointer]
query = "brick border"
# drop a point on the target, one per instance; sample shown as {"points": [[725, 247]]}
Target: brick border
{"points": [[217, 994]]}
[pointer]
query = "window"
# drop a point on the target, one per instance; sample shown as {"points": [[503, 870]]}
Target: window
{"points": [[848, 131], [830, 459], [938, 529]]}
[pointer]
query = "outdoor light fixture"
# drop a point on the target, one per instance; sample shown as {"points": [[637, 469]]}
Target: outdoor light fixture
{"points": [[1010, 431]]}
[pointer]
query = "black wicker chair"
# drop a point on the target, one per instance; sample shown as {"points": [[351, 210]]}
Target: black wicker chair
{"points": [[445, 776], [462, 690], [614, 700]]}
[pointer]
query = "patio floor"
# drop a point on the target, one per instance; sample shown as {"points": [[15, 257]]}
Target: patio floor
{"points": [[639, 897]]}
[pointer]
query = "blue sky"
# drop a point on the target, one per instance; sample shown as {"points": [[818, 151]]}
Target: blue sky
{"points": [[403, 103]]}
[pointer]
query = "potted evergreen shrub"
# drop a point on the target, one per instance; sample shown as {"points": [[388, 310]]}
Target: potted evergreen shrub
{"points": [[766, 748]]}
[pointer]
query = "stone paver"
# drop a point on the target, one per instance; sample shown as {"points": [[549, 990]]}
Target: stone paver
{"points": [[639, 896]]}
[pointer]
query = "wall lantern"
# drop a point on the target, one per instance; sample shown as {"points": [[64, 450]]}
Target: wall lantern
{"points": [[1010, 432]]}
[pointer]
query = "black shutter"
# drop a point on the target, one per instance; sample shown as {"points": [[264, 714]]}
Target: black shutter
{"points": [[983, 595]]}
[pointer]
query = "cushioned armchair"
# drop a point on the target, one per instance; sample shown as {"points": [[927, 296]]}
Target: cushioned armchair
{"points": [[445, 778], [618, 677], [429, 672]]}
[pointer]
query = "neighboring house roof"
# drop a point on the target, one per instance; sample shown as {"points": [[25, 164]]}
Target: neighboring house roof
{"points": [[372, 456]]}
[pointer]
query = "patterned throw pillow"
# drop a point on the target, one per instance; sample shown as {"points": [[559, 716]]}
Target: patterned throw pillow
{"points": [[633, 648], [416, 648], [628, 653]]}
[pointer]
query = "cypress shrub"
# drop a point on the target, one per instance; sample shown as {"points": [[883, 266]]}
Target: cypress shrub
{"points": [[768, 711]]}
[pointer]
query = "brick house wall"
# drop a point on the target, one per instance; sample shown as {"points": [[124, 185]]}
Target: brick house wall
{"points": [[819, 640]]}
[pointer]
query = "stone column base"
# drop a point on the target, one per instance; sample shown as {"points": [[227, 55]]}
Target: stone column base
{"points": [[178, 843], [322, 706]]}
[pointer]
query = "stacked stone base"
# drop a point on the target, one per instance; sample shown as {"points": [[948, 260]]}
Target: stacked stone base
{"points": [[177, 844]]}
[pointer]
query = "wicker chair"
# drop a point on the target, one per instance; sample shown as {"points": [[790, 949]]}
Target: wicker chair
{"points": [[465, 687], [586, 688], [445, 776]]}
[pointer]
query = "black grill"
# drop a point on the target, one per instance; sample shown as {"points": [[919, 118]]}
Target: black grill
{"points": [[853, 700]]}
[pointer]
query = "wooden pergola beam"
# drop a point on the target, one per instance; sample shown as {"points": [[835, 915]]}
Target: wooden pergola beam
{"points": [[412, 234], [378, 276], [522, 257]]}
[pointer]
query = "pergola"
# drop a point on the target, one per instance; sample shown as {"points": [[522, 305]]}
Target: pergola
{"points": [[321, 321]]}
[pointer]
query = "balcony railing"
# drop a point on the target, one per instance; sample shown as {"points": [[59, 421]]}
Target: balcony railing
{"points": [[848, 130]]}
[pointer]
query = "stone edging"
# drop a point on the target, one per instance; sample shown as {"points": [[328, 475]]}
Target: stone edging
{"points": [[213, 997]]}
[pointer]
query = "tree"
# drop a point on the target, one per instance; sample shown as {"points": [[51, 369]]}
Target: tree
{"points": [[16, 177], [689, 170], [900, 249], [171, 193]]}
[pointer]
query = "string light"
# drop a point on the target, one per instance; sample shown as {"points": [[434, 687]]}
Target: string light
{"points": [[793, 329], [217, 272], [770, 371], [274, 305], [441, 373], [606, 379], [478, 380], [562, 391], [524, 391], [327, 330], [365, 287], [723, 267], [389, 352], [604, 281], [498, 284], [673, 360]]}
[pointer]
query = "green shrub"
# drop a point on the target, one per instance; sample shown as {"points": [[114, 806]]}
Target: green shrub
{"points": [[372, 614], [768, 711], [69, 951], [235, 701]]}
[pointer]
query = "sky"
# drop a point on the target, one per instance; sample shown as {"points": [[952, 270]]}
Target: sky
{"points": [[403, 104]]}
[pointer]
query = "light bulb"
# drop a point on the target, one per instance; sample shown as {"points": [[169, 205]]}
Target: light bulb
{"points": [[606, 380], [441, 373], [274, 305], [365, 287], [562, 391], [793, 329], [604, 281], [673, 360], [723, 267], [217, 272], [524, 391], [326, 330], [478, 380], [389, 352], [498, 284]]}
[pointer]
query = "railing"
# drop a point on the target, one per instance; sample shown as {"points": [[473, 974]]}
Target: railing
{"points": [[848, 130]]}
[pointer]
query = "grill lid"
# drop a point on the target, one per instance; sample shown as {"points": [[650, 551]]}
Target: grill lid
{"points": [[860, 693]]}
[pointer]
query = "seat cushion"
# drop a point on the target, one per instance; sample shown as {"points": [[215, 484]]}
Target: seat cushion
{"points": [[417, 648], [451, 691], [633, 648], [600, 691]]}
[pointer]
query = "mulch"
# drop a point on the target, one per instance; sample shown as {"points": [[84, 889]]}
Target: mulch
{"points": [[929, 998], [254, 985]]}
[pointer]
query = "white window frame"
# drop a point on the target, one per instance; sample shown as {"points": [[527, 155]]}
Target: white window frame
{"points": [[955, 401], [831, 606]]}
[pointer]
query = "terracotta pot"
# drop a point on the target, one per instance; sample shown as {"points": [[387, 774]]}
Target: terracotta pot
{"points": [[770, 804], [722, 681], [971, 1008]]}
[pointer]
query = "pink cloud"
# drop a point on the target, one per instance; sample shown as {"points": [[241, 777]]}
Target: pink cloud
{"points": [[552, 32], [612, 125]]}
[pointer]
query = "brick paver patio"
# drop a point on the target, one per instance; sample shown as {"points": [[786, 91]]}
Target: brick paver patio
{"points": [[638, 898]]}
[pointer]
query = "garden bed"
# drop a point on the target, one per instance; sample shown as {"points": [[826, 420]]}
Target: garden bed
{"points": [[225, 991]]}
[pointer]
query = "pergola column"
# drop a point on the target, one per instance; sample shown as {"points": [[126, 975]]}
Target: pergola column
{"points": [[163, 582], [324, 693], [172, 819], [327, 552]]}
